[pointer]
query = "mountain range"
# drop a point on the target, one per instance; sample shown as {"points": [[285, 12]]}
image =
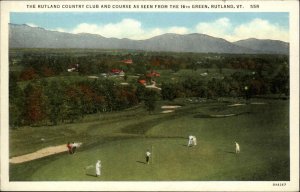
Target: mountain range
{"points": [[24, 36]]}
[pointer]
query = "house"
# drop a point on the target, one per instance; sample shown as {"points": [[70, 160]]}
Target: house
{"points": [[153, 74], [127, 61], [117, 72], [142, 81], [73, 67]]}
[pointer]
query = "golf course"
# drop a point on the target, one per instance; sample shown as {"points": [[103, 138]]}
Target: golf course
{"points": [[123, 104], [120, 140]]}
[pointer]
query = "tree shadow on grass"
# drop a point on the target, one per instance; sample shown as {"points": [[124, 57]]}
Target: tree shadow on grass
{"points": [[141, 162]]}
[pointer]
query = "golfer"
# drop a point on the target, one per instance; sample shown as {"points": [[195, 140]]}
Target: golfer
{"points": [[74, 146], [192, 141], [69, 145], [148, 156], [237, 148], [98, 167]]}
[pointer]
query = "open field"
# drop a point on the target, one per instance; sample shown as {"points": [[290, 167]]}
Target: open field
{"points": [[120, 140]]}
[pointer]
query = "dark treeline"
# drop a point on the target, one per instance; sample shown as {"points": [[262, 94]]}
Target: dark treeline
{"points": [[43, 102]]}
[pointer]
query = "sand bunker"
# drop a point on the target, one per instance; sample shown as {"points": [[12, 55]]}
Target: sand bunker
{"points": [[236, 104], [258, 103], [170, 106], [39, 154], [167, 111], [227, 115], [93, 77], [152, 87]]}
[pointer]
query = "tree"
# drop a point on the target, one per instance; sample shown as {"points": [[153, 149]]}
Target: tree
{"points": [[73, 103], [175, 66], [55, 94], [168, 91], [16, 102], [150, 100], [280, 83], [35, 104], [28, 74], [140, 92]]}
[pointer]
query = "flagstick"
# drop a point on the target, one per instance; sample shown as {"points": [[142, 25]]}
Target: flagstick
{"points": [[152, 153]]}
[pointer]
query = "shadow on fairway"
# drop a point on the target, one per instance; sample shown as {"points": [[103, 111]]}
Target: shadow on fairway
{"points": [[91, 175], [141, 162], [229, 152]]}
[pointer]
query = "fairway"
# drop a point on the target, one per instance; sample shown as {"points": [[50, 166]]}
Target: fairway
{"points": [[121, 139]]}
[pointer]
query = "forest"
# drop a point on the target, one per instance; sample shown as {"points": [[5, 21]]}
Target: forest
{"points": [[52, 86]]}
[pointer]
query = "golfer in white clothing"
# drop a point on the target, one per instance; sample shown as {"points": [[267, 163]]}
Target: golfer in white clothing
{"points": [[192, 141], [237, 148], [98, 167]]}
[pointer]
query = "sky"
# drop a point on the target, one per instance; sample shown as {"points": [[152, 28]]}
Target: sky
{"points": [[232, 26]]}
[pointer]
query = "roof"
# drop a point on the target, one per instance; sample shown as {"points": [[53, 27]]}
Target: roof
{"points": [[153, 74], [142, 81], [116, 70], [127, 61]]}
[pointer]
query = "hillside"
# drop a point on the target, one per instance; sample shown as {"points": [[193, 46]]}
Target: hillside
{"points": [[265, 45], [24, 36]]}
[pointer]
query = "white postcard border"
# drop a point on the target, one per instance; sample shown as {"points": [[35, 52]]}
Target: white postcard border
{"points": [[291, 6]]}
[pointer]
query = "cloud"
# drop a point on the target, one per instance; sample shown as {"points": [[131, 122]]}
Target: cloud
{"points": [[217, 28], [256, 28], [260, 29], [178, 30], [31, 24], [221, 28], [126, 28]]}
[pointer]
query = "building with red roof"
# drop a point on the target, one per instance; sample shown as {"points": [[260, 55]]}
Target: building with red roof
{"points": [[127, 61], [153, 74]]}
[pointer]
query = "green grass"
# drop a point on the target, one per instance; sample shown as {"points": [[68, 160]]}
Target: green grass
{"points": [[120, 140]]}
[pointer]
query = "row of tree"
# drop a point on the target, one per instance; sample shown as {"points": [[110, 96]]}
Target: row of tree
{"points": [[235, 85], [42, 102], [39, 65], [52, 102]]}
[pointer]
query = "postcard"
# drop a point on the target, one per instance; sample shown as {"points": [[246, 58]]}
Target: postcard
{"points": [[150, 95]]}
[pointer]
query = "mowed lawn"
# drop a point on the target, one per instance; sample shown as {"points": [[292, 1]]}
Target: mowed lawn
{"points": [[121, 139]]}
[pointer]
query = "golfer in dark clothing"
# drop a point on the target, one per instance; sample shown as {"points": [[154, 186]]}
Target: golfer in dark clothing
{"points": [[148, 156], [73, 147]]}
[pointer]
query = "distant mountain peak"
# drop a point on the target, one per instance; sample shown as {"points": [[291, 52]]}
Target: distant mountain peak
{"points": [[25, 36]]}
